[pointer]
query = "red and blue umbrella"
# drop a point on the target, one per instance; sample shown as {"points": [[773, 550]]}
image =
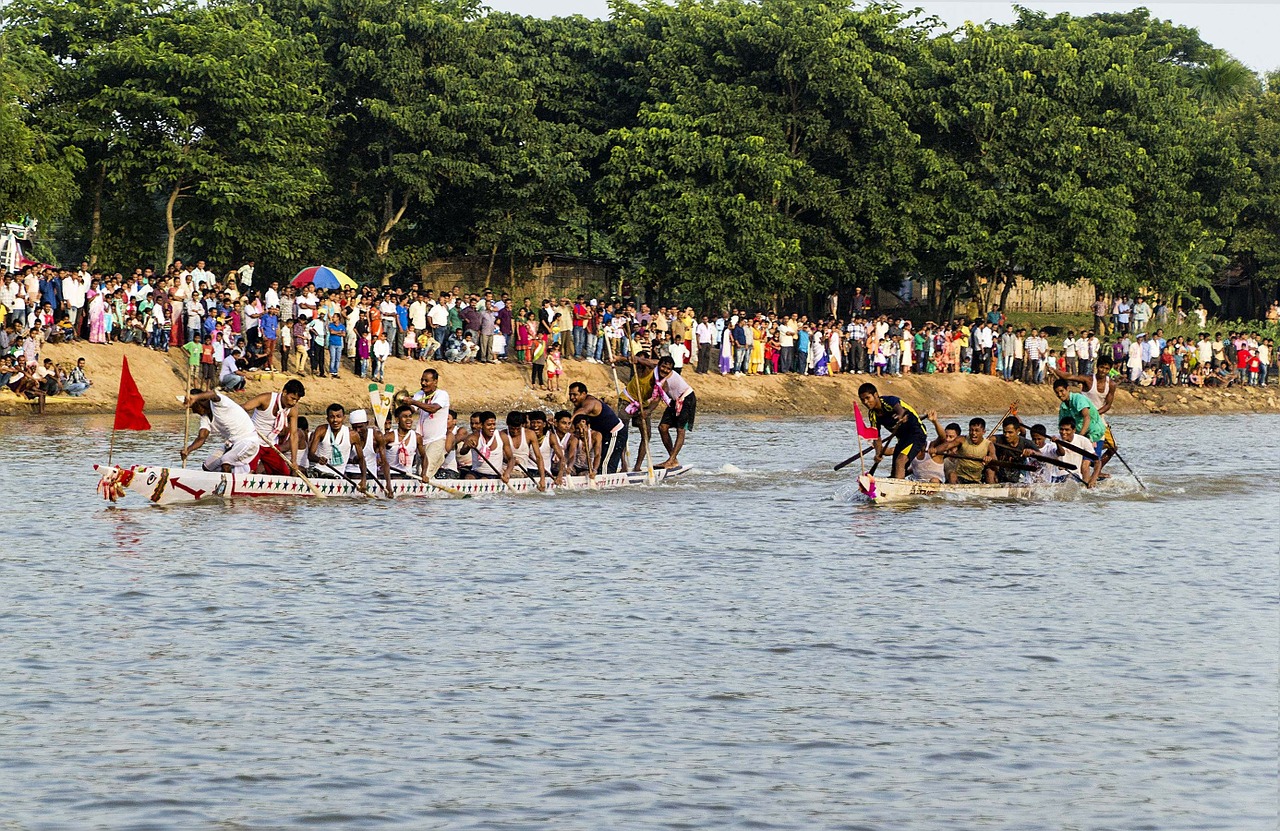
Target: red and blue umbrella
{"points": [[323, 277]]}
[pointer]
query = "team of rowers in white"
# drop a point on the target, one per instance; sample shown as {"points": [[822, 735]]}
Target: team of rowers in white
{"points": [[422, 440]]}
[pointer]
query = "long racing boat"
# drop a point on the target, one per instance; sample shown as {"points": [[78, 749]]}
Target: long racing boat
{"points": [[182, 486], [881, 491]]}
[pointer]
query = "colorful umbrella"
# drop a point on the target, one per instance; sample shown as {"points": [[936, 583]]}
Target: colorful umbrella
{"points": [[323, 277]]}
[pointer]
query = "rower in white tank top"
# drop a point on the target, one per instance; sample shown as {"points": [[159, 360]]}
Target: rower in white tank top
{"points": [[336, 447], [520, 450], [271, 421], [490, 449], [370, 452], [924, 468], [1098, 396], [402, 452]]}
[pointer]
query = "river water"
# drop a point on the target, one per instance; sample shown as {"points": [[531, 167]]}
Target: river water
{"points": [[748, 648]]}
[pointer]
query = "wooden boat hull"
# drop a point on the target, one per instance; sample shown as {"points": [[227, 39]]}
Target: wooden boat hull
{"points": [[881, 491], [180, 486]]}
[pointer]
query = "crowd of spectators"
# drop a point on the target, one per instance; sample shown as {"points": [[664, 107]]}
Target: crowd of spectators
{"points": [[229, 327]]}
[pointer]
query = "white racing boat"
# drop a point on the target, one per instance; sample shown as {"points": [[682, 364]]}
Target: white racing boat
{"points": [[881, 491], [180, 486]]}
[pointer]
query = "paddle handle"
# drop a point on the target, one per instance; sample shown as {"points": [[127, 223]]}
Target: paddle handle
{"points": [[855, 457], [293, 467]]}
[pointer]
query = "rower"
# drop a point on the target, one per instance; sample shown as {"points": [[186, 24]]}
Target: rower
{"points": [[275, 414], [551, 450], [584, 450], [525, 454], [401, 447], [1084, 467], [488, 451], [1011, 448], [976, 453], [930, 464], [612, 430], [898, 419], [301, 436], [226, 419], [1100, 388], [330, 445], [433, 405], [364, 448], [1077, 407], [1045, 474], [464, 450], [561, 432], [454, 433]]}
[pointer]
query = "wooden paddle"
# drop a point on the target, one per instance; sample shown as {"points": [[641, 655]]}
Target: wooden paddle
{"points": [[453, 491], [351, 481], [644, 418], [994, 463], [1046, 459], [854, 458], [1066, 445], [186, 415], [293, 467]]}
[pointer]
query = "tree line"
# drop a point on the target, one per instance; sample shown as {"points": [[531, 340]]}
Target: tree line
{"points": [[720, 150]]}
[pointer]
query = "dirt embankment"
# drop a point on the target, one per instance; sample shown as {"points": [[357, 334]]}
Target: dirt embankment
{"points": [[500, 387]]}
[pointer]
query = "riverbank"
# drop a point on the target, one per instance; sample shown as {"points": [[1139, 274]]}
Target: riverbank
{"points": [[501, 387]]}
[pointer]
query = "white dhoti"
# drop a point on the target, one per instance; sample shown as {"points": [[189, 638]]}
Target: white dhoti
{"points": [[238, 455], [435, 456]]}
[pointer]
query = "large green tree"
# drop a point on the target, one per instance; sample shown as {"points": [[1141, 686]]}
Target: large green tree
{"points": [[770, 153], [1080, 157]]}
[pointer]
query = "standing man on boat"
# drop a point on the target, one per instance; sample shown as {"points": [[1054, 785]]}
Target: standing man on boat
{"points": [[612, 430], [682, 405], [224, 418], [273, 413], [1077, 407], [1100, 388], [899, 420], [433, 420]]}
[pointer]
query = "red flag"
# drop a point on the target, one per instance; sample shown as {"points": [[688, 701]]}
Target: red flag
{"points": [[129, 404], [868, 433]]}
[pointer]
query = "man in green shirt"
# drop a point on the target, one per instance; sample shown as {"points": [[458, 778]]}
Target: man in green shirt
{"points": [[1077, 407]]}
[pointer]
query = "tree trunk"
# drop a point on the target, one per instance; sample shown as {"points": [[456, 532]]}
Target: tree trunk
{"points": [[1005, 292], [391, 216], [172, 229], [488, 275], [95, 222]]}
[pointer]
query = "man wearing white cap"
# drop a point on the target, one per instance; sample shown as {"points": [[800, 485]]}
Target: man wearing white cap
{"points": [[364, 446]]}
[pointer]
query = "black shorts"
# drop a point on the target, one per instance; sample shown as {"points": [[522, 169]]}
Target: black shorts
{"points": [[910, 444], [683, 420]]}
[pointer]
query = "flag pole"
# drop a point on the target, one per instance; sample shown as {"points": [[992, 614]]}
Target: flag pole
{"points": [[186, 413]]}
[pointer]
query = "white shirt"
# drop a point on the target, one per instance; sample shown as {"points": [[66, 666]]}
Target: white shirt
{"points": [[674, 386], [228, 366], [272, 299], [246, 274], [202, 278], [418, 315], [73, 292], [705, 333], [382, 349], [1069, 347], [228, 421], [678, 352], [433, 426], [438, 315]]}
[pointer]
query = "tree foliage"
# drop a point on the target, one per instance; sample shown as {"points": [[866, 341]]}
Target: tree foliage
{"points": [[721, 150]]}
